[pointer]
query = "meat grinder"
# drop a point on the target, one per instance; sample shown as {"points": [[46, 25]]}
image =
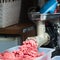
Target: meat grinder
{"points": [[39, 17]]}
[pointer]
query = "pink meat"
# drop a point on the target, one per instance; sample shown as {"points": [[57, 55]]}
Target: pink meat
{"points": [[8, 56], [27, 51]]}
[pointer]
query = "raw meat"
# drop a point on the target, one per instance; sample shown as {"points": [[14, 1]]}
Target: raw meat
{"points": [[27, 51]]}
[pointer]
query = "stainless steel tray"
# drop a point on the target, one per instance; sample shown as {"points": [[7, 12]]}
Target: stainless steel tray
{"points": [[38, 16]]}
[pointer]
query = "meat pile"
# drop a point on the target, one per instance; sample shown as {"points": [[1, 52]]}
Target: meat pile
{"points": [[27, 51]]}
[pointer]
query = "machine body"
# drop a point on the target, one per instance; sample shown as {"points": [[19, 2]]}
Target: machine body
{"points": [[43, 37]]}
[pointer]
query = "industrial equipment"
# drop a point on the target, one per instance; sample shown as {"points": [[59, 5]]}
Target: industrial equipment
{"points": [[39, 17]]}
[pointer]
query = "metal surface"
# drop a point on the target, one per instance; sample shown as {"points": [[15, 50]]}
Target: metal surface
{"points": [[42, 17]]}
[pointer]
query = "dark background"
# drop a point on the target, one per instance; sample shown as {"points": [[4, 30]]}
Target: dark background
{"points": [[25, 5]]}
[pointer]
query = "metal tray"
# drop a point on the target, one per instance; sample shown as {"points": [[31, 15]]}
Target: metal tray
{"points": [[43, 17]]}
